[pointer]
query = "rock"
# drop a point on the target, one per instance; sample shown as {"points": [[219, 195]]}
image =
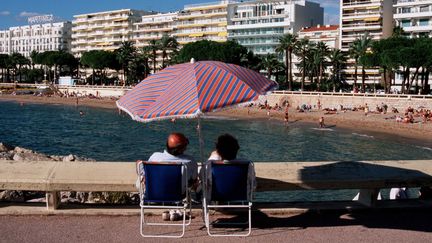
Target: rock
{"points": [[56, 158], [30, 157], [12, 196], [5, 147], [6, 156], [22, 150], [69, 158]]}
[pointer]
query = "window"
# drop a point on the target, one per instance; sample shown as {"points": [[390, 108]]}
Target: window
{"points": [[406, 23], [423, 22]]}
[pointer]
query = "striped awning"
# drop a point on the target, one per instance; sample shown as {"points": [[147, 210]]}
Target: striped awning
{"points": [[190, 89]]}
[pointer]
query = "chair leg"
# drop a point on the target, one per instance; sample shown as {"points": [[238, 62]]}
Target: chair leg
{"points": [[207, 219], [144, 224]]}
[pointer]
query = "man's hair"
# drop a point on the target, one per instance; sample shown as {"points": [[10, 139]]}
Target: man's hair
{"points": [[227, 146], [176, 144]]}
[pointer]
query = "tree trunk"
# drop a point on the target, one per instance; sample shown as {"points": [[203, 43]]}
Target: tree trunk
{"points": [[93, 76], [355, 73], [363, 79], [154, 62], [288, 69], [413, 78], [426, 88], [320, 76], [303, 74], [385, 79], [405, 77]]}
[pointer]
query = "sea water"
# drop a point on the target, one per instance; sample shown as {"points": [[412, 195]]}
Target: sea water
{"points": [[105, 135]]}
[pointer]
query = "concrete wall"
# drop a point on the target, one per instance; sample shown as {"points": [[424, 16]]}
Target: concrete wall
{"points": [[101, 91], [334, 100]]}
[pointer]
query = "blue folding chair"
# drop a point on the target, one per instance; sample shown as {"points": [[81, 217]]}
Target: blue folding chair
{"points": [[229, 189], [166, 187]]}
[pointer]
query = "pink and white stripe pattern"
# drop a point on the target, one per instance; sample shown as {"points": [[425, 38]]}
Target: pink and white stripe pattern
{"points": [[190, 89]]}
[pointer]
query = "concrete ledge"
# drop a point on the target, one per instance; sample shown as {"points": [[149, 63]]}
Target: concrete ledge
{"points": [[367, 176], [286, 208]]}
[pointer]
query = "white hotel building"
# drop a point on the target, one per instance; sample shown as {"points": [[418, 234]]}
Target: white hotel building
{"points": [[414, 16], [258, 25], [358, 17], [153, 27], [37, 37], [103, 30]]}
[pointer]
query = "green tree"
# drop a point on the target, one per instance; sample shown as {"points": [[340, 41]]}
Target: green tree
{"points": [[322, 51], [302, 50], [18, 61], [337, 60], [154, 46], [99, 62], [270, 63], [4, 59], [124, 55], [228, 52], [287, 45], [398, 32], [358, 51], [169, 46]]}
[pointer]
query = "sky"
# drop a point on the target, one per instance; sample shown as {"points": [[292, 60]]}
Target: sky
{"points": [[16, 12]]}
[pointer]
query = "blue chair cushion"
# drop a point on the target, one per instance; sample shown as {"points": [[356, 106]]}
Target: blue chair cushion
{"points": [[163, 183], [229, 181]]}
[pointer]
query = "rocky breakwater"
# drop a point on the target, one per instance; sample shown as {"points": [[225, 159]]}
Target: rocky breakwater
{"points": [[8, 153]]}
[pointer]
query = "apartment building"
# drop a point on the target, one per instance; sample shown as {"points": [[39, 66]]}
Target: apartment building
{"points": [[154, 27], [258, 25], [203, 21], [329, 34], [358, 17], [37, 37], [414, 16], [103, 30]]}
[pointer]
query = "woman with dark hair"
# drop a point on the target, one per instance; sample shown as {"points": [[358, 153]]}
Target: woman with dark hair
{"points": [[226, 148]]}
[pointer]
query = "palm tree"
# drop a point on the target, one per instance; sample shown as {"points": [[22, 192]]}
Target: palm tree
{"points": [[167, 45], [124, 55], [271, 64], [3, 64], [144, 55], [398, 32], [358, 51], [302, 49], [34, 58], [18, 60], [287, 44], [154, 46], [322, 52], [337, 60]]}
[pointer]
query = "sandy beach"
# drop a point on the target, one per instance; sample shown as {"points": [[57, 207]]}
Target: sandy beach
{"points": [[353, 120]]}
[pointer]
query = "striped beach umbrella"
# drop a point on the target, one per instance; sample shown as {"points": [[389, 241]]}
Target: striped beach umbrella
{"points": [[188, 90]]}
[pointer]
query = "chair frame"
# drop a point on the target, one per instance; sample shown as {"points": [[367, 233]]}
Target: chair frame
{"points": [[185, 206], [246, 204]]}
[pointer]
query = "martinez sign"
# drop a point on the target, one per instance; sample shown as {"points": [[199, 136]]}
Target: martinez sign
{"points": [[40, 19]]}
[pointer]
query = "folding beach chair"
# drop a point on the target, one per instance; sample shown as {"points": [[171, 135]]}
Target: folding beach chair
{"points": [[164, 190], [228, 188]]}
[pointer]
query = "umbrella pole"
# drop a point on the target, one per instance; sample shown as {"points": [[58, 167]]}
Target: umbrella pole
{"points": [[201, 141], [203, 169]]}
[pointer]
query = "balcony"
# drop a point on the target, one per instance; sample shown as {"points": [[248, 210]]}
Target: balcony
{"points": [[405, 3]]}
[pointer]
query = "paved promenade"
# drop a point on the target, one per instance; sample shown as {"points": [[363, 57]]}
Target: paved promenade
{"points": [[326, 226]]}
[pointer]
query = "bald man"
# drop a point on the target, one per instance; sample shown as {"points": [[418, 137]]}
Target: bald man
{"points": [[175, 147]]}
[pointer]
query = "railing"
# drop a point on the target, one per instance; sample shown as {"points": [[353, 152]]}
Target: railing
{"points": [[67, 86], [399, 96]]}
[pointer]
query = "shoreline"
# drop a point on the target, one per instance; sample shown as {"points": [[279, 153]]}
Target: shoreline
{"points": [[352, 120]]}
